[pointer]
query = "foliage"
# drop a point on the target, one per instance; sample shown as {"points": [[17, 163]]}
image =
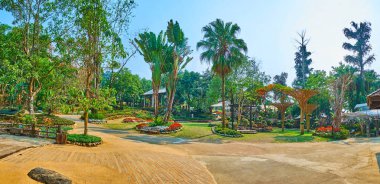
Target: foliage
{"points": [[159, 121], [55, 119], [141, 125], [302, 62], [95, 116], [361, 33], [180, 58], [223, 49], [227, 131], [81, 138], [339, 133], [174, 126]]}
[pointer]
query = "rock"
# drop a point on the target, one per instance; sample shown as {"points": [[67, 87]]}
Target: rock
{"points": [[48, 176]]}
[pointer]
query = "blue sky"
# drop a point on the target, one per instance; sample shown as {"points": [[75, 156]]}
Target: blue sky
{"points": [[269, 27]]}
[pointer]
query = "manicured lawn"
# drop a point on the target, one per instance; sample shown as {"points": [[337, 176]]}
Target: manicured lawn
{"points": [[290, 135], [202, 132], [193, 130], [120, 126]]}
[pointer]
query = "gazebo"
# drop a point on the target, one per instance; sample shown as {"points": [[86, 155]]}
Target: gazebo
{"points": [[149, 100], [373, 100]]}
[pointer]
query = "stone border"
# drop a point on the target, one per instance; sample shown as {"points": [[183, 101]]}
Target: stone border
{"points": [[93, 144], [224, 135], [166, 132]]}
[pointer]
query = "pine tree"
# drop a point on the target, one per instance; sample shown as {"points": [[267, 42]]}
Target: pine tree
{"points": [[302, 61]]}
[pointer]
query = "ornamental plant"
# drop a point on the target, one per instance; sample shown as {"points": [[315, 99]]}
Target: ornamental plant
{"points": [[141, 125], [174, 126]]}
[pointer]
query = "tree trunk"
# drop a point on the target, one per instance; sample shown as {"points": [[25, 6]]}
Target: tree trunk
{"points": [[223, 103], [85, 122], [307, 122], [282, 120], [302, 126]]}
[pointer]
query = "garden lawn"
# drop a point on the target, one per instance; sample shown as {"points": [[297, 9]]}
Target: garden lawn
{"points": [[120, 126], [289, 135], [202, 132], [193, 130]]}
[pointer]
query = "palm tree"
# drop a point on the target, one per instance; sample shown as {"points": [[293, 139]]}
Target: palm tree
{"points": [[178, 60], [155, 52], [361, 49], [223, 49]]}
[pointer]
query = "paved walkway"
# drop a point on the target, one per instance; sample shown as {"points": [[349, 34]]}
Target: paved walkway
{"points": [[135, 158], [115, 161]]}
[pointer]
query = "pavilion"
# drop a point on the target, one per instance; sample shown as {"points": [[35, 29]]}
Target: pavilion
{"points": [[373, 100], [149, 100]]}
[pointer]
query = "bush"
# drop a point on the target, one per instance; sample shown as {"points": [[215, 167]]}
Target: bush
{"points": [[81, 138], [95, 116], [159, 121], [141, 125], [174, 126], [143, 114], [339, 133], [227, 131], [55, 119]]}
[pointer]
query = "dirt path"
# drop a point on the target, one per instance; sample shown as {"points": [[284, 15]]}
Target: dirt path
{"points": [[115, 161], [295, 163]]}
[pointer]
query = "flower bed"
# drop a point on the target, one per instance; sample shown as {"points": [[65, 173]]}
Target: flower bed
{"points": [[84, 140], [226, 132], [330, 132], [161, 129], [132, 120]]}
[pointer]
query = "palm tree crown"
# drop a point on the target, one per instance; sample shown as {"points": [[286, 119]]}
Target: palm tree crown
{"points": [[222, 47]]}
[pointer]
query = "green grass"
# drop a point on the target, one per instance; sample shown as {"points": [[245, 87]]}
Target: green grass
{"points": [[120, 126], [202, 132], [193, 130], [80, 138]]}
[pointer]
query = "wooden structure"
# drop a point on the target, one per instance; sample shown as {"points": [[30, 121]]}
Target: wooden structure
{"points": [[373, 100], [282, 106], [308, 111], [302, 96], [149, 98]]}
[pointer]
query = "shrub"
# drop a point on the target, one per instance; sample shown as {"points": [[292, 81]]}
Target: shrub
{"points": [[174, 126], [132, 120], [81, 138], [141, 125], [227, 131], [143, 114], [95, 116], [158, 122], [339, 133], [55, 119]]}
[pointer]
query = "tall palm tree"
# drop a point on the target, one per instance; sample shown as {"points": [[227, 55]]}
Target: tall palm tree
{"points": [[178, 60], [361, 49], [223, 49], [155, 51]]}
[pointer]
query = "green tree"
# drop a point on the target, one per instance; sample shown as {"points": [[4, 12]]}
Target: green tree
{"points": [[361, 56], [223, 49], [36, 43], [156, 52], [303, 61], [177, 62], [95, 27]]}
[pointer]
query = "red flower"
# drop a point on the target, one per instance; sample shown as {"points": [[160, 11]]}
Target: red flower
{"points": [[141, 125], [174, 126]]}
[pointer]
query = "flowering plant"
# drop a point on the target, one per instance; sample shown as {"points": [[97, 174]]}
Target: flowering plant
{"points": [[174, 126], [141, 125]]}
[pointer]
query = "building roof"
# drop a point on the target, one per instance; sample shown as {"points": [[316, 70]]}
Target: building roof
{"points": [[162, 90], [220, 104], [373, 100]]}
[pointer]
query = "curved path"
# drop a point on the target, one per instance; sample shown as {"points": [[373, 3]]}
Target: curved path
{"points": [[115, 161]]}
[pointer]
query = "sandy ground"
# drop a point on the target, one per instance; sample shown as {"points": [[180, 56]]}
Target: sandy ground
{"points": [[144, 160], [115, 161]]}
